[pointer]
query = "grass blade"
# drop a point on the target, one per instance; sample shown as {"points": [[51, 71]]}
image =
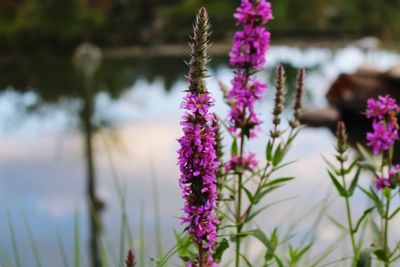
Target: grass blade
{"points": [[62, 249], [156, 207], [32, 240], [76, 240], [17, 258], [142, 236]]}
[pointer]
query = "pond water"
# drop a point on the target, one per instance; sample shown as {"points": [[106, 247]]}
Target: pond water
{"points": [[42, 169]]}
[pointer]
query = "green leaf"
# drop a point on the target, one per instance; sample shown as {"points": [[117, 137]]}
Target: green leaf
{"points": [[394, 213], [366, 212], [184, 244], [375, 199], [368, 162], [376, 234], [261, 194], [342, 192], [331, 166], [248, 193], [351, 166], [365, 154], [278, 155], [364, 259], [234, 147], [354, 183], [297, 254], [219, 251], [248, 264], [262, 238], [381, 255], [278, 261], [338, 224], [268, 151], [278, 181]]}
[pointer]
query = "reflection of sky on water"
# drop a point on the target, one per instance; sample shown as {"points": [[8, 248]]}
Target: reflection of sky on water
{"points": [[42, 173]]}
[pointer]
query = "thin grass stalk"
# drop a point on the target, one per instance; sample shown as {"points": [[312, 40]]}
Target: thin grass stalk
{"points": [[125, 232], [111, 251], [104, 256], [156, 208], [76, 240], [142, 237], [32, 240], [62, 249], [16, 254]]}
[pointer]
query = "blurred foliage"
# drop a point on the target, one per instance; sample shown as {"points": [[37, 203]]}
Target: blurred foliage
{"points": [[24, 23]]}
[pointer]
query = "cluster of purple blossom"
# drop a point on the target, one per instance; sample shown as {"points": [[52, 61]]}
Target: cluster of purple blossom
{"points": [[383, 112], [393, 178], [198, 164], [250, 43], [247, 55], [246, 163]]}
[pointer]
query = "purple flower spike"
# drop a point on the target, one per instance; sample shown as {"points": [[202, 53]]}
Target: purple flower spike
{"points": [[197, 155], [247, 55]]}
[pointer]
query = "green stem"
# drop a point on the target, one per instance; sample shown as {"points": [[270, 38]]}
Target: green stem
{"points": [[348, 212], [239, 206], [386, 231], [201, 256]]}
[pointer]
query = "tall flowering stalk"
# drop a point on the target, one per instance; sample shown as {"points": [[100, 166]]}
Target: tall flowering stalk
{"points": [[197, 155], [383, 112], [247, 56], [345, 187]]}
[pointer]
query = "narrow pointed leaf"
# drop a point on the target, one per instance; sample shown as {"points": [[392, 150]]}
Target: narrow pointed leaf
{"points": [[366, 212], [354, 183], [342, 192]]}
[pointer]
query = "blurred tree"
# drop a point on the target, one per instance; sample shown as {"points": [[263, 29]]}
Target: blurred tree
{"points": [[125, 22]]}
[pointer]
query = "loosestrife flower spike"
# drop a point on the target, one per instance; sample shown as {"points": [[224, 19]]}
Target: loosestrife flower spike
{"points": [[247, 55], [279, 95], [298, 99], [197, 156], [341, 135], [130, 260], [383, 112]]}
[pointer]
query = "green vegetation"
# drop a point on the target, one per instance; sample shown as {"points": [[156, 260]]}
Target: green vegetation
{"points": [[27, 23]]}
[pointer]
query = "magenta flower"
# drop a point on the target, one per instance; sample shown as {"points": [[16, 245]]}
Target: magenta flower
{"points": [[249, 46], [247, 55], [247, 13], [247, 163], [382, 183], [383, 137], [196, 103], [380, 108]]}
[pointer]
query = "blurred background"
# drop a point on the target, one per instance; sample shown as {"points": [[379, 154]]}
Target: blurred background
{"points": [[92, 129]]}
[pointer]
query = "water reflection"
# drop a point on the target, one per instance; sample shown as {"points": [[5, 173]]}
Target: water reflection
{"points": [[136, 103]]}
